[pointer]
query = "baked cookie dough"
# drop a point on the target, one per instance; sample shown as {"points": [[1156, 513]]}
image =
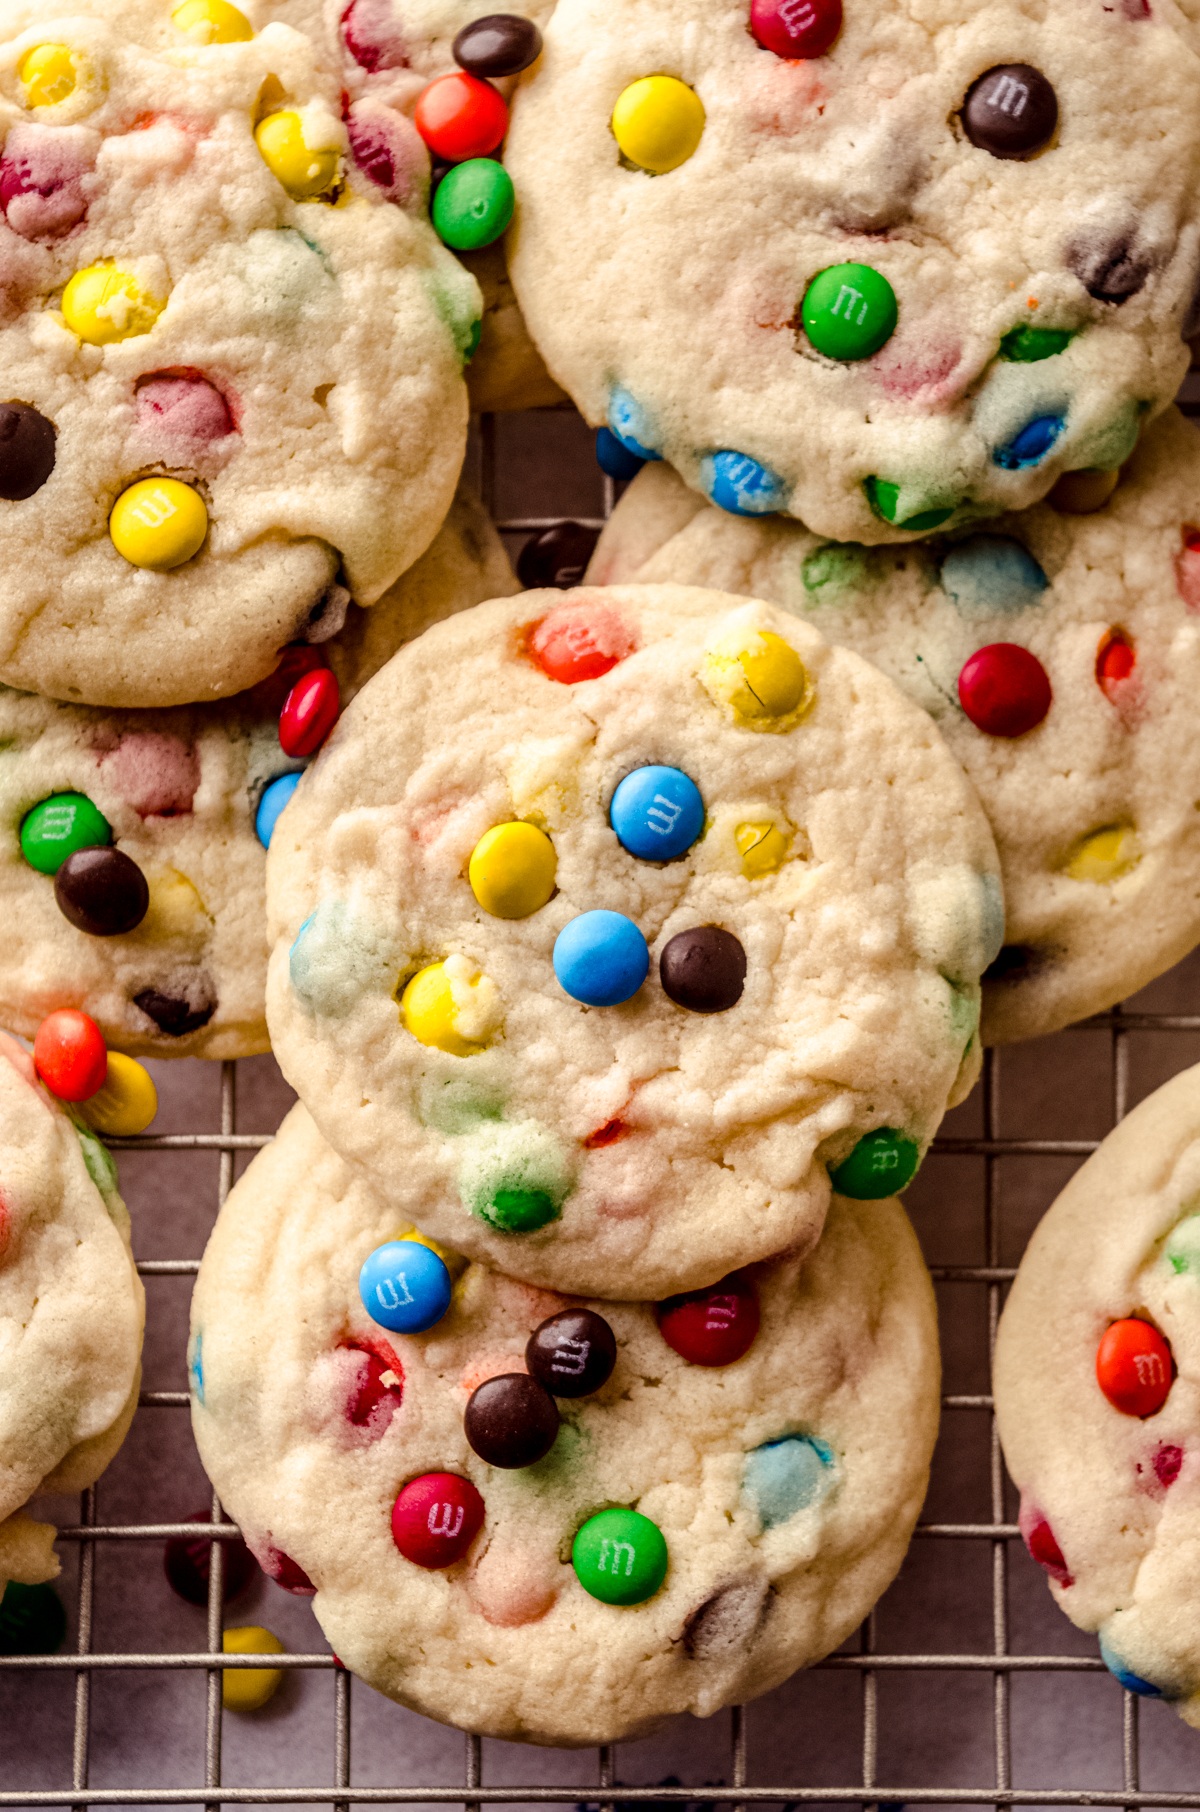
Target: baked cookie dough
{"points": [[1059, 655], [884, 269], [779, 1488], [233, 385], [186, 795], [71, 1312], [1097, 1381], [597, 957]]}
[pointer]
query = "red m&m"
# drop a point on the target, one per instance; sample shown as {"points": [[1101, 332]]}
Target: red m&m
{"points": [[580, 642], [70, 1055], [1134, 1367], [796, 28], [309, 712], [459, 117], [271, 694], [1039, 1538], [713, 1326], [1004, 690], [1115, 661], [436, 1518]]}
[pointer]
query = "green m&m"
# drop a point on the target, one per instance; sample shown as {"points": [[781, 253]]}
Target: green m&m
{"points": [[849, 311], [884, 499], [620, 1557], [521, 1210], [882, 1163], [473, 204], [1029, 345], [59, 826], [32, 1620]]}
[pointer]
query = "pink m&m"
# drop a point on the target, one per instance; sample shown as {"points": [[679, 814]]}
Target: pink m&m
{"points": [[1004, 690], [796, 29], [713, 1326], [436, 1518], [580, 641], [309, 712]]}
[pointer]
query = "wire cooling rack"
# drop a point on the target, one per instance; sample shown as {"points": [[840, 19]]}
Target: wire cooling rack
{"points": [[964, 1687]]}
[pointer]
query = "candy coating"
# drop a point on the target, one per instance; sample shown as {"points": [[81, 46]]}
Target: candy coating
{"points": [[657, 813], [512, 870], [101, 891], [620, 1557], [436, 1518], [786, 1476], [460, 117], [212, 22], [59, 826], [572, 1354], [50, 73], [474, 204], [159, 523], [703, 969], [658, 123], [105, 304], [70, 1056], [248, 1689], [601, 959], [882, 1163], [1010, 111], [405, 1286], [27, 451], [305, 171], [275, 796], [1134, 1368], [849, 311], [126, 1102], [511, 1421]]}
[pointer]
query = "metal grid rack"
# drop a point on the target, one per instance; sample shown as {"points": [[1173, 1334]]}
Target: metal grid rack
{"points": [[965, 1288]]}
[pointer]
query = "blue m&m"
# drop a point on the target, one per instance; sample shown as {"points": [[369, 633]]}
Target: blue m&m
{"points": [[275, 796], [1031, 444], [657, 813], [404, 1286], [601, 958]]}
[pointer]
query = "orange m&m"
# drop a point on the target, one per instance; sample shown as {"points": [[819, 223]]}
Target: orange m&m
{"points": [[1134, 1368]]}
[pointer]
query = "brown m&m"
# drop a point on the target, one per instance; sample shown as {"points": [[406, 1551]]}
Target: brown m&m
{"points": [[703, 969], [500, 44], [26, 451], [511, 1421], [572, 1354], [1011, 111], [102, 891]]}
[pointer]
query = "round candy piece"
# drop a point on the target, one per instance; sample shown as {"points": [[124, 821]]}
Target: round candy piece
{"points": [[601, 959], [703, 969], [558, 556], [882, 1163], [69, 1055], [49, 73], [126, 1103], [714, 1326], [103, 304], [158, 523], [572, 1353], [1115, 661], [1103, 856], [275, 796], [271, 694], [614, 458], [59, 826], [762, 846], [1134, 1367], [796, 29], [1082, 493], [212, 22], [249, 1688], [405, 1286], [32, 1620], [1031, 445], [460, 117], [511, 1421], [428, 1011], [884, 498], [102, 892], [473, 205], [309, 712], [522, 1210], [26, 451], [1011, 111], [187, 1561], [620, 1557], [436, 1518], [1028, 345], [849, 311], [743, 486], [499, 44], [658, 122], [574, 644], [762, 679], [657, 813], [1004, 690], [512, 870], [305, 174]]}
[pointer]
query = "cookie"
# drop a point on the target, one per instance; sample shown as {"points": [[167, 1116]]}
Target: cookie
{"points": [[1059, 655], [723, 1503], [1097, 1382], [233, 359], [878, 268], [601, 959], [184, 798], [71, 1312]]}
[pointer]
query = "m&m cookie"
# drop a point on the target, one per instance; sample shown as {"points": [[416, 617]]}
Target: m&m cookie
{"points": [[133, 858], [1097, 1383], [558, 1520], [71, 1311], [1058, 652], [610, 925], [233, 394], [847, 261]]}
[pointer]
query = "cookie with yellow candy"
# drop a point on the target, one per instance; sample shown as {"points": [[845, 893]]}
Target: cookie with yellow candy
{"points": [[132, 843], [609, 926], [219, 425], [1057, 652]]}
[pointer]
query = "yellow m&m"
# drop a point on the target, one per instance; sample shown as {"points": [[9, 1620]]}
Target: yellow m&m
{"points": [[158, 523], [1105, 855], [212, 22], [248, 1688], [762, 846], [658, 123], [126, 1103], [512, 870], [304, 174], [50, 73], [760, 676], [103, 304], [450, 1007]]}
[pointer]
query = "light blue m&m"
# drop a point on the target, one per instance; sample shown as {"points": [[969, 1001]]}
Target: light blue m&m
{"points": [[657, 813], [275, 796], [630, 424], [404, 1286], [740, 485], [784, 1477], [992, 575], [601, 958]]}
